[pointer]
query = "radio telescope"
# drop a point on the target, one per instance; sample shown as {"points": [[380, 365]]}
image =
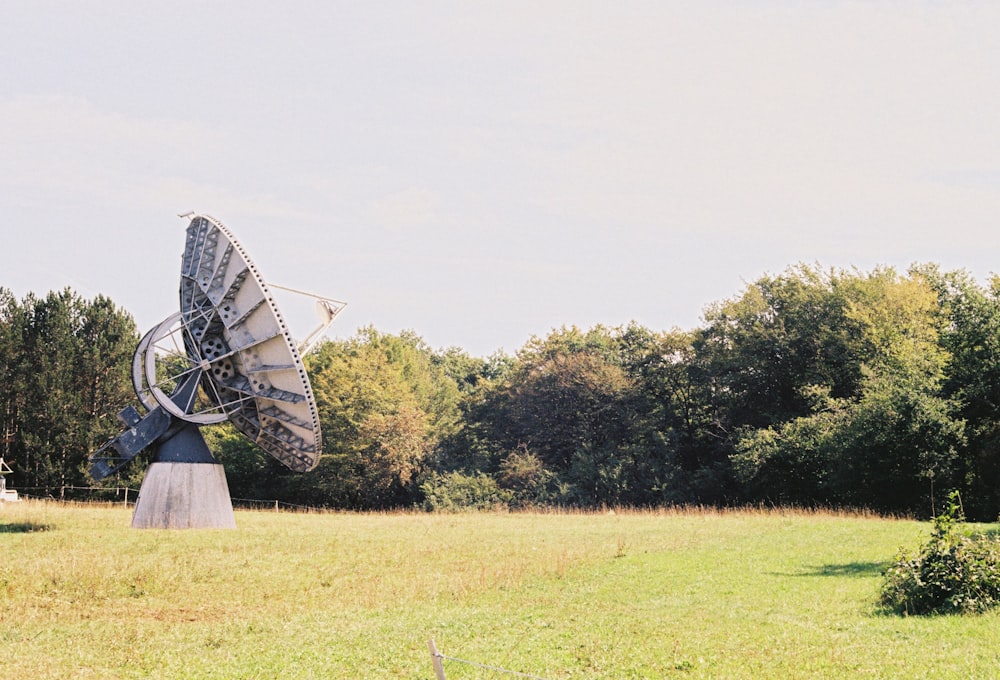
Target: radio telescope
{"points": [[227, 355]]}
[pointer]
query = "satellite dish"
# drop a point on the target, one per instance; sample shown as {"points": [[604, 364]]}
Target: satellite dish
{"points": [[227, 355]]}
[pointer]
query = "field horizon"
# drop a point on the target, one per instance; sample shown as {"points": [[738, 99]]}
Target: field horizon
{"points": [[693, 593]]}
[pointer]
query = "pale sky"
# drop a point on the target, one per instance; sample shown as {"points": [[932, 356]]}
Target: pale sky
{"points": [[479, 172]]}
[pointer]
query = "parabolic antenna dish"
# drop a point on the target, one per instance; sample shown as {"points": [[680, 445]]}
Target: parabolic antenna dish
{"points": [[226, 355], [231, 339]]}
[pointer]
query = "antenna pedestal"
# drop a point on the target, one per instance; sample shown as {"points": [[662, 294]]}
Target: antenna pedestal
{"points": [[184, 496], [185, 488]]}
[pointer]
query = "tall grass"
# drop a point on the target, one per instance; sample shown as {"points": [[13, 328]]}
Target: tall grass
{"points": [[685, 593]]}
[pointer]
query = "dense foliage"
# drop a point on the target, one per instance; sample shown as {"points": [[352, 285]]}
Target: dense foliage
{"points": [[64, 364], [954, 573], [844, 388]]}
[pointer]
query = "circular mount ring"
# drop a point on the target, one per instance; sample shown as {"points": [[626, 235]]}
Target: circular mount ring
{"points": [[168, 370]]}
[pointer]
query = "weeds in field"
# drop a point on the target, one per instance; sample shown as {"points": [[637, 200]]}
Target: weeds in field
{"points": [[622, 550]]}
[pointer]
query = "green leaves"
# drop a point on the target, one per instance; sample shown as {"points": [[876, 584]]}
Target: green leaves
{"points": [[953, 573], [65, 363], [809, 387], [833, 388], [385, 404]]}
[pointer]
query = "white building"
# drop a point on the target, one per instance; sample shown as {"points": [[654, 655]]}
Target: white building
{"points": [[5, 495]]}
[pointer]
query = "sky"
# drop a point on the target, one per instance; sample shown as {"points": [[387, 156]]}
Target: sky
{"points": [[482, 172]]}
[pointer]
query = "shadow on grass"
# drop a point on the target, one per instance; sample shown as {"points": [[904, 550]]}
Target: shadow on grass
{"points": [[847, 569], [23, 527]]}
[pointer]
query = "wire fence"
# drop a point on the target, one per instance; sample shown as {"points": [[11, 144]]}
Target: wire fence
{"points": [[104, 495], [274, 504], [81, 494], [438, 659]]}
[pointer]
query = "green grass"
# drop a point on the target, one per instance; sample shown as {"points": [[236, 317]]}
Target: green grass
{"points": [[671, 594]]}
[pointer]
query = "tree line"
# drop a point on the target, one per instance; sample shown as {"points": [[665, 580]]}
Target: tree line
{"points": [[64, 374], [813, 387]]}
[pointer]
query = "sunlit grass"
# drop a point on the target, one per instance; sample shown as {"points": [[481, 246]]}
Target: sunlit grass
{"points": [[630, 594]]}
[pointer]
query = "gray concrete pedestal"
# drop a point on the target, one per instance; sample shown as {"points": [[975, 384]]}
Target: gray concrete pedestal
{"points": [[184, 496]]}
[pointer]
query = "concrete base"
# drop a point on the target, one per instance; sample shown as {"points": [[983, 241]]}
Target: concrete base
{"points": [[184, 496]]}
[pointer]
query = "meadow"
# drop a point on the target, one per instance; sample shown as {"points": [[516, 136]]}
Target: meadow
{"points": [[686, 594]]}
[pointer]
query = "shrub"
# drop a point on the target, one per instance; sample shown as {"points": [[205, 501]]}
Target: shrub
{"points": [[953, 574], [524, 476], [456, 491]]}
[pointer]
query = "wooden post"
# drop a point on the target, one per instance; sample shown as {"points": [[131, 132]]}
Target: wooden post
{"points": [[436, 659]]}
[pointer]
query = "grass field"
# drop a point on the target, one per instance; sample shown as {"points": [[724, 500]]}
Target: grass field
{"points": [[625, 595]]}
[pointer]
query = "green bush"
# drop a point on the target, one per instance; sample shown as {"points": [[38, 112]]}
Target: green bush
{"points": [[456, 491], [525, 478], [953, 574]]}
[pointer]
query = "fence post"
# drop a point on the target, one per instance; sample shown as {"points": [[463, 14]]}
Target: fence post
{"points": [[436, 658]]}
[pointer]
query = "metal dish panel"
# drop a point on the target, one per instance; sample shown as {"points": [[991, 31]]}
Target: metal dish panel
{"points": [[236, 327]]}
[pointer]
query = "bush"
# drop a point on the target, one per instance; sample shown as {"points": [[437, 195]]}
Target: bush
{"points": [[953, 574], [455, 491], [524, 476]]}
